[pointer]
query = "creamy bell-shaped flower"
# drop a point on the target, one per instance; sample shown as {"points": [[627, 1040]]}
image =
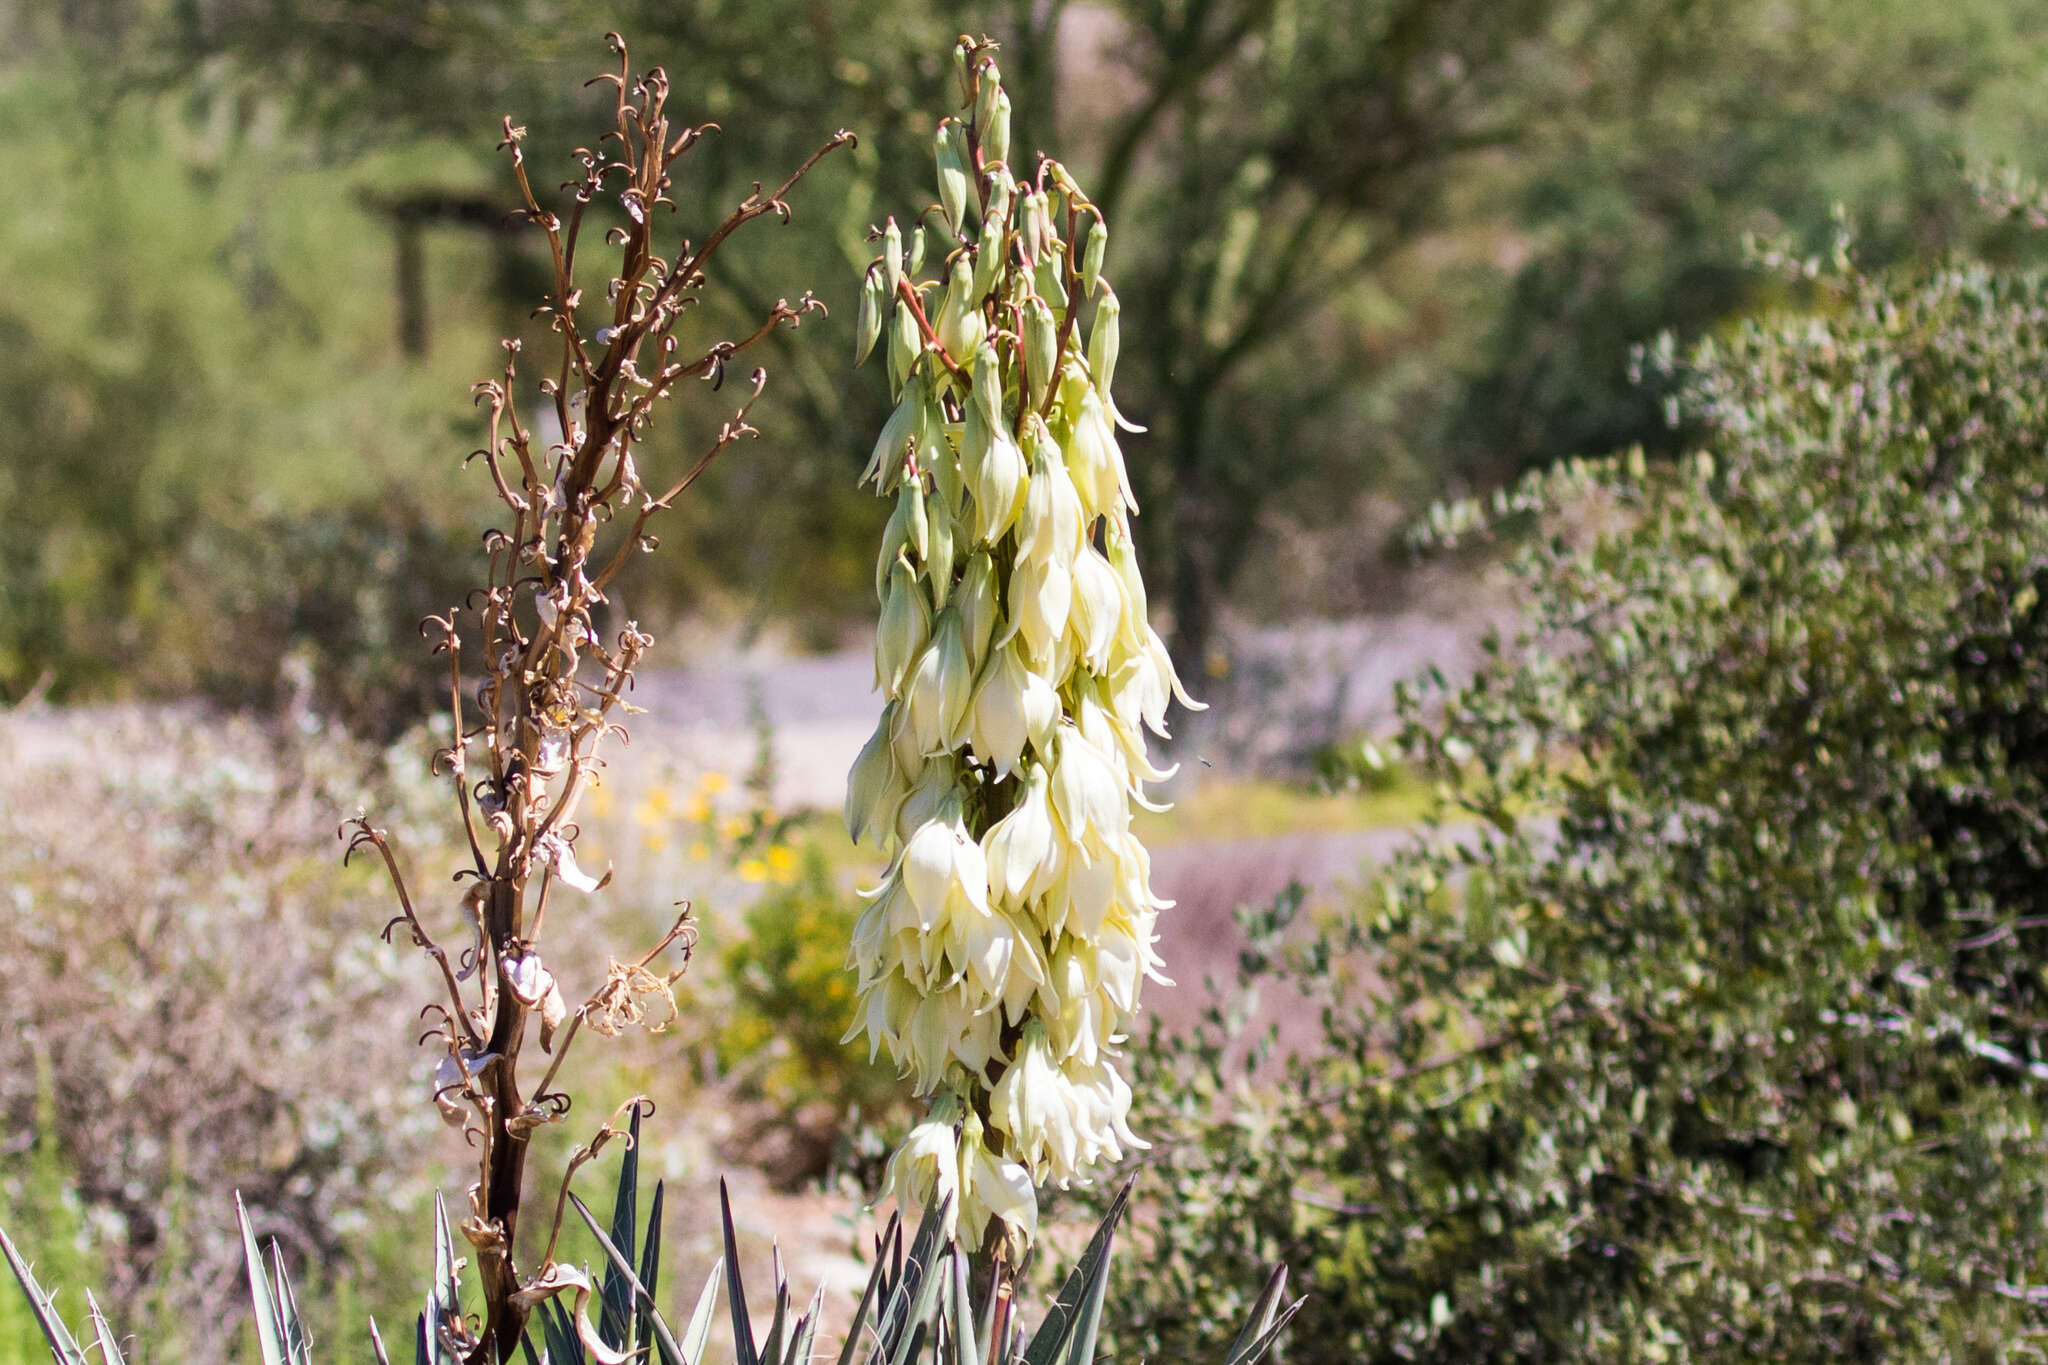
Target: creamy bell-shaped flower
{"points": [[876, 785], [948, 1036], [1078, 1017], [1032, 1109], [993, 1188], [999, 961], [1041, 596], [940, 686], [883, 1011], [1080, 896], [1094, 459], [925, 1171], [1098, 609], [998, 483], [1013, 705], [940, 862], [1123, 557], [904, 630], [1051, 525], [1121, 742], [1024, 853], [1087, 793], [1104, 1099]]}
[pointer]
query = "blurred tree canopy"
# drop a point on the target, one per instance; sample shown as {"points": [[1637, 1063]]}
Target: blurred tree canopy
{"points": [[1370, 246]]}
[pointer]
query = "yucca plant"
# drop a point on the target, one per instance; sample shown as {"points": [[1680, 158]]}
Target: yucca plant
{"points": [[917, 1304], [280, 1330]]}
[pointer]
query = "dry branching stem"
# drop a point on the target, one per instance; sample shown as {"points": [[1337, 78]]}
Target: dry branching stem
{"points": [[549, 688]]}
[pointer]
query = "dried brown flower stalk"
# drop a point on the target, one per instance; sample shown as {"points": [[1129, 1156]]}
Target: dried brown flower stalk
{"points": [[549, 690]]}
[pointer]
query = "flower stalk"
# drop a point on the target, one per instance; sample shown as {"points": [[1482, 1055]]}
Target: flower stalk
{"points": [[1001, 957], [547, 689]]}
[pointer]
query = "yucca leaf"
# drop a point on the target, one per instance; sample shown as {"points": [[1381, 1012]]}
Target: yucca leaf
{"points": [[269, 1332], [1252, 1353], [914, 1343], [670, 1351], [650, 1269], [1081, 1345], [1261, 1319], [805, 1338], [771, 1349], [615, 1314], [526, 1349], [964, 1334], [291, 1325], [893, 1234], [103, 1335], [444, 1298], [377, 1344], [562, 1346], [62, 1346], [735, 1291], [930, 1278], [895, 1315], [699, 1330], [1060, 1318]]}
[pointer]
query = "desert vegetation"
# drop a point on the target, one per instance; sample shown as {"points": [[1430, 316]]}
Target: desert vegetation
{"points": [[1105, 681]]}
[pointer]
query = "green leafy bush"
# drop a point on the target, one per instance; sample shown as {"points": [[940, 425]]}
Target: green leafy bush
{"points": [[783, 1035], [1716, 1034]]}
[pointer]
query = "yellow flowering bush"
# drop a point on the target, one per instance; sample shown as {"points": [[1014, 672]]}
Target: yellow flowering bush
{"points": [[1001, 957]]}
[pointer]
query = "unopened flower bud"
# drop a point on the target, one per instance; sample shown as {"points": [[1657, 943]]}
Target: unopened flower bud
{"points": [[938, 562], [995, 142], [1091, 255], [892, 257], [1049, 277], [949, 149], [905, 627], [988, 84], [940, 687], [868, 325], [988, 254], [885, 465], [905, 346], [1051, 525], [1041, 344], [979, 609], [960, 326], [875, 786]]}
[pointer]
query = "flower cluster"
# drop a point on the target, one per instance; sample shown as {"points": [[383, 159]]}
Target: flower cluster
{"points": [[1001, 957]]}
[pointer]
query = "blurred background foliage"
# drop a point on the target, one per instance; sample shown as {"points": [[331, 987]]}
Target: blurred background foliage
{"points": [[1369, 250]]}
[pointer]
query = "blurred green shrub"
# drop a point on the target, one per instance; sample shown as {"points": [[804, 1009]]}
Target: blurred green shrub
{"points": [[1357, 765], [1718, 1034], [791, 999]]}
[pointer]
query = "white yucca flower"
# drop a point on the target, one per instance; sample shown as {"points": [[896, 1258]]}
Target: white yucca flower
{"points": [[1001, 958]]}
